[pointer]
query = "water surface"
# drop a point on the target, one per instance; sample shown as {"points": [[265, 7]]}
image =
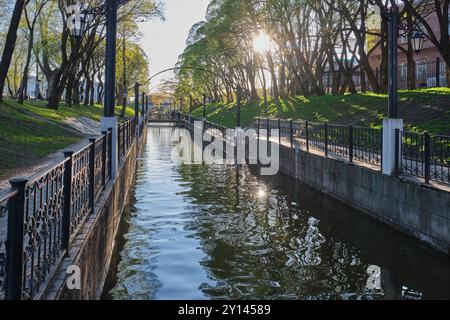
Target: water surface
{"points": [[222, 232]]}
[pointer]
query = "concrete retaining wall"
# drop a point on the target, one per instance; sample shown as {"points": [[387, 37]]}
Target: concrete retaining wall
{"points": [[93, 247], [415, 209]]}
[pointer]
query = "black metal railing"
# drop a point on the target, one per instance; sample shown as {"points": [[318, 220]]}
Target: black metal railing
{"points": [[42, 225], [6, 201], [214, 127], [350, 142], [426, 156], [422, 155], [39, 218], [367, 145]]}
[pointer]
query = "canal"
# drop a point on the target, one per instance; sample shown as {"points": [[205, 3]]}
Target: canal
{"points": [[223, 232]]}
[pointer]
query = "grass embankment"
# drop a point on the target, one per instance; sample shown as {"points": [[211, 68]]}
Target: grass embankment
{"points": [[422, 110], [32, 131]]}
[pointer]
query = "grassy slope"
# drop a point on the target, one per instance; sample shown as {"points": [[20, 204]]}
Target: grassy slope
{"points": [[422, 110], [26, 138]]}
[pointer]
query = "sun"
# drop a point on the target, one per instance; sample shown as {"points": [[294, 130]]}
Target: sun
{"points": [[262, 43]]}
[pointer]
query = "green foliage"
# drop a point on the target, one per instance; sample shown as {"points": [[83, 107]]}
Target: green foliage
{"points": [[26, 138], [422, 110], [32, 131]]}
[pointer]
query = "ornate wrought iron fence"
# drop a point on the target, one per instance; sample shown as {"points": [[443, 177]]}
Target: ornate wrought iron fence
{"points": [[367, 144], [339, 140], [422, 155], [426, 156], [316, 136], [99, 163], [440, 158], [120, 141], [42, 241], [80, 188], [212, 126], [5, 205], [107, 152], [42, 216]]}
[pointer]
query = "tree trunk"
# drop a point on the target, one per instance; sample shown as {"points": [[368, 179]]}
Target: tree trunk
{"points": [[92, 91], [10, 43], [57, 88], [363, 81], [76, 92], [87, 91], [274, 76], [24, 82]]}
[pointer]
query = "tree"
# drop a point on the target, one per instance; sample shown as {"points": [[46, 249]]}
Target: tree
{"points": [[38, 5], [10, 43]]}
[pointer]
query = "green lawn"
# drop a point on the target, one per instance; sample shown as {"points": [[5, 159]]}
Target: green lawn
{"points": [[65, 112], [31, 131], [422, 110]]}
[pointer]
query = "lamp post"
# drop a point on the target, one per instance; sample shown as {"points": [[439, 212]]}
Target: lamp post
{"points": [[77, 23], [109, 121], [393, 123], [136, 105]]}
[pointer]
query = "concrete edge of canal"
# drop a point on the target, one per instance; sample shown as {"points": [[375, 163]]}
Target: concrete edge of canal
{"points": [[417, 211], [420, 212], [93, 247]]}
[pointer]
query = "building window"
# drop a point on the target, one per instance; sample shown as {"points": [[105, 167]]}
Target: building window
{"points": [[403, 71], [404, 39], [421, 70]]}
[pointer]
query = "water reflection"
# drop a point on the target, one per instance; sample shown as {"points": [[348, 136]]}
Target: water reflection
{"points": [[221, 232]]}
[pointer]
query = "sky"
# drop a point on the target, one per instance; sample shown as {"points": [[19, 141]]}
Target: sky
{"points": [[164, 41]]}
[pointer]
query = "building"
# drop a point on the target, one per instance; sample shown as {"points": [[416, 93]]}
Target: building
{"points": [[430, 68]]}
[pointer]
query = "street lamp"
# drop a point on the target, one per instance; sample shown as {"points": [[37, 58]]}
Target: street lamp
{"points": [[76, 21], [77, 25], [392, 125], [418, 39]]}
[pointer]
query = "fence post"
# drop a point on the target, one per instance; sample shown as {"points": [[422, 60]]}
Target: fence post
{"points": [[350, 142], [291, 130], [307, 135], [118, 142], [398, 154], [136, 103], [326, 139], [259, 125], [110, 150], [128, 134], [438, 72], [124, 134], [14, 260], [92, 173], [279, 132], [104, 144], [67, 212], [143, 107], [427, 156]]}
